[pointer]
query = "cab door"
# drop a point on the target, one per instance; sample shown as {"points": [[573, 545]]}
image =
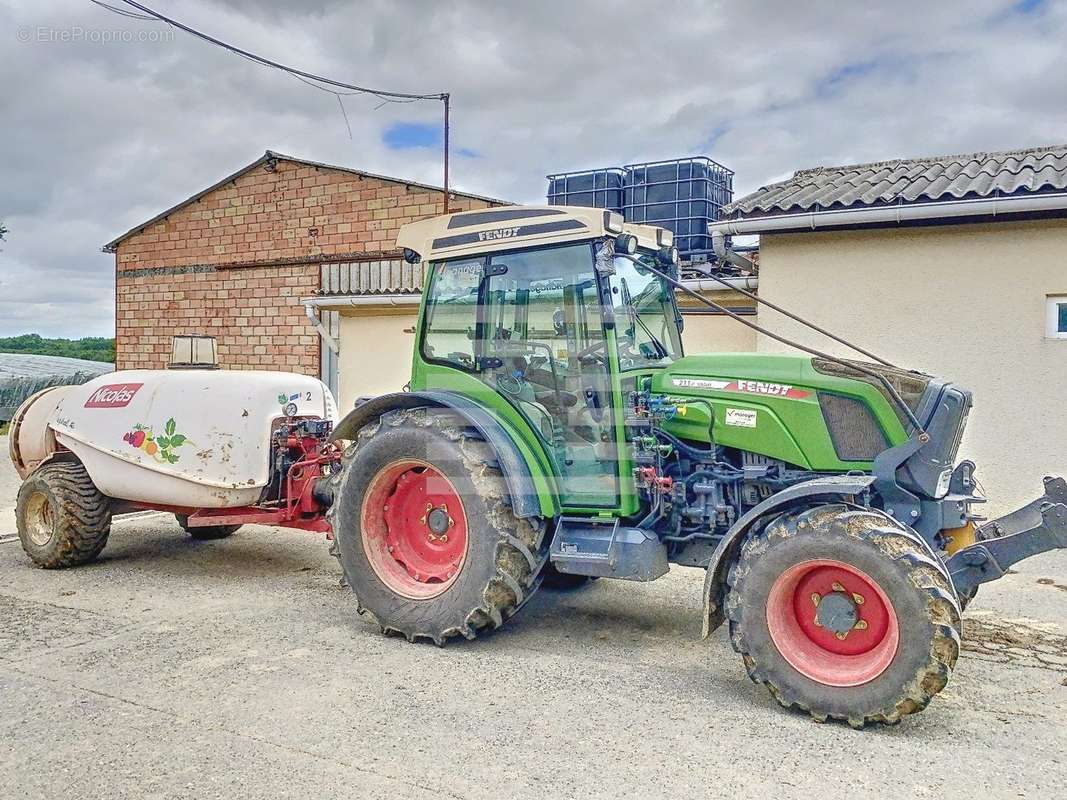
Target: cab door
{"points": [[527, 324], [544, 349]]}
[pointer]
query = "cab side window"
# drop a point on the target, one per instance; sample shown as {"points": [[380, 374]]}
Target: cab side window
{"points": [[452, 313]]}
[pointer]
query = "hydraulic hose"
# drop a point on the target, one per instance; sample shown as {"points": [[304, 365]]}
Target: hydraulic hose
{"points": [[923, 436]]}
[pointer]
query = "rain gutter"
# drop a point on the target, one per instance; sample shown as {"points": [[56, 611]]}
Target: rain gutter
{"points": [[900, 213]]}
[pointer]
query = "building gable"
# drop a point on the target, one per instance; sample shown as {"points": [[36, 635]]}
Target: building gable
{"points": [[289, 196]]}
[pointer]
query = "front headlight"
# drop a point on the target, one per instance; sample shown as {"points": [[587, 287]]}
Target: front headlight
{"points": [[669, 255], [626, 243]]}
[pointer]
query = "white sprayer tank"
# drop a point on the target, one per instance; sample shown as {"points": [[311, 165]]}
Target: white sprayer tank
{"points": [[191, 438]]}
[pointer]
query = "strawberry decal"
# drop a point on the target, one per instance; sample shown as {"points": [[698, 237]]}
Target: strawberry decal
{"points": [[135, 438], [162, 447]]}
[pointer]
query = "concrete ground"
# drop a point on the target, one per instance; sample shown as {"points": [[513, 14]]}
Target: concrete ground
{"points": [[177, 669]]}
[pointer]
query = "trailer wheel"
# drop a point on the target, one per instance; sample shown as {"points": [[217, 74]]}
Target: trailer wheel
{"points": [[424, 530], [206, 533], [63, 520], [842, 613]]}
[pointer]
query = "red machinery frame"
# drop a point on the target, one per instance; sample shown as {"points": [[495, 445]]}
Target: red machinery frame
{"points": [[298, 509]]}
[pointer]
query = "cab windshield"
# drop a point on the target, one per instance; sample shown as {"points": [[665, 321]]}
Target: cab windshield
{"points": [[646, 321]]}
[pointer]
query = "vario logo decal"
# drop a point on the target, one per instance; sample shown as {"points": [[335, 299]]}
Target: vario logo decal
{"points": [[744, 386]]}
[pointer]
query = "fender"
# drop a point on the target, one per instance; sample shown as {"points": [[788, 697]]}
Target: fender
{"points": [[526, 501], [832, 486], [31, 440]]}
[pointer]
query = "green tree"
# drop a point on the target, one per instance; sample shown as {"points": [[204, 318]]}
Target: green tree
{"points": [[91, 348]]}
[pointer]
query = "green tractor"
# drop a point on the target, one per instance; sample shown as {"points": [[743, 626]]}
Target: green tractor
{"points": [[553, 430]]}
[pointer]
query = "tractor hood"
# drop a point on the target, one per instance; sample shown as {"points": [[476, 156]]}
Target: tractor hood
{"points": [[813, 413], [790, 376], [818, 414], [753, 373]]}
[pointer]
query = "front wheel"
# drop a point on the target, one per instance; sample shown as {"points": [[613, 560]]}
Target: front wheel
{"points": [[842, 613], [424, 529]]}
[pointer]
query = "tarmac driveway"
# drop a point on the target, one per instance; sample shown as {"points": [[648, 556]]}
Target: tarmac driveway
{"points": [[239, 668]]}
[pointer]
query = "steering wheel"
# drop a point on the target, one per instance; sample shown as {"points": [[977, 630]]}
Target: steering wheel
{"points": [[510, 384], [590, 352]]}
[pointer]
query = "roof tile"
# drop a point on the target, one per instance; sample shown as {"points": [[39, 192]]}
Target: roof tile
{"points": [[916, 180]]}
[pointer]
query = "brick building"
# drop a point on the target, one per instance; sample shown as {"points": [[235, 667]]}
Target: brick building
{"points": [[234, 260]]}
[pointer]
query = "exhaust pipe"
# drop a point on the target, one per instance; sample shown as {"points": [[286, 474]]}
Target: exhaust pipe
{"points": [[723, 253]]}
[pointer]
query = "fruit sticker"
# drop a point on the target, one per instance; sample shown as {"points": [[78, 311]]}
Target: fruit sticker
{"points": [[161, 448]]}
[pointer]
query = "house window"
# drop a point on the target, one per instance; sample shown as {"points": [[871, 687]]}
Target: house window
{"points": [[1056, 317]]}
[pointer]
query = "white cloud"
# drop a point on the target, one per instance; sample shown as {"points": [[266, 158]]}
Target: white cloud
{"points": [[100, 136]]}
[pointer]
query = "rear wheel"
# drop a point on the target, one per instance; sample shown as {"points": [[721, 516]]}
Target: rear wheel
{"points": [[424, 530], [206, 533], [63, 520], [842, 613]]}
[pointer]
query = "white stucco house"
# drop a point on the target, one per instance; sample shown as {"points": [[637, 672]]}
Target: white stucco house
{"points": [[953, 265]]}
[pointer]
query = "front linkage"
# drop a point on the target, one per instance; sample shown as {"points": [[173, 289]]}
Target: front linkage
{"points": [[1035, 528], [974, 554]]}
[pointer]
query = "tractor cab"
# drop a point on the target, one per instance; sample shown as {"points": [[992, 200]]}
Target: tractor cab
{"points": [[548, 309]]}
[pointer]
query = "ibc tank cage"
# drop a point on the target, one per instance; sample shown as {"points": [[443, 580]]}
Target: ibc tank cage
{"points": [[683, 194], [596, 188]]}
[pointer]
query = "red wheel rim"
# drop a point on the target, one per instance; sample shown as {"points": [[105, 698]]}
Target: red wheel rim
{"points": [[414, 529], [832, 622]]}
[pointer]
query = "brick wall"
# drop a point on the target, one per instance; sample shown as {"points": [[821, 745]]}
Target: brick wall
{"points": [[235, 263], [254, 313]]}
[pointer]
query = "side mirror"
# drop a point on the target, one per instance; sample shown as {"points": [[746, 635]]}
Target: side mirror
{"points": [[559, 322]]}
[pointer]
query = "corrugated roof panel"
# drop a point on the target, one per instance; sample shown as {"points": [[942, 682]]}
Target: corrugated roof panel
{"points": [[916, 187], [910, 181], [1048, 175], [371, 277], [21, 375], [981, 184]]}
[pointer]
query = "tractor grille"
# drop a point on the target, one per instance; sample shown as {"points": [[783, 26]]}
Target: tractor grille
{"points": [[909, 385], [925, 470], [854, 431]]}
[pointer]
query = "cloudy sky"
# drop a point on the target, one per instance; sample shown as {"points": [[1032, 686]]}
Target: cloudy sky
{"points": [[106, 120]]}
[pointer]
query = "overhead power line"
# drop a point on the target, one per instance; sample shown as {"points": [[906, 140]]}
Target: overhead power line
{"points": [[122, 12], [274, 64], [310, 78]]}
